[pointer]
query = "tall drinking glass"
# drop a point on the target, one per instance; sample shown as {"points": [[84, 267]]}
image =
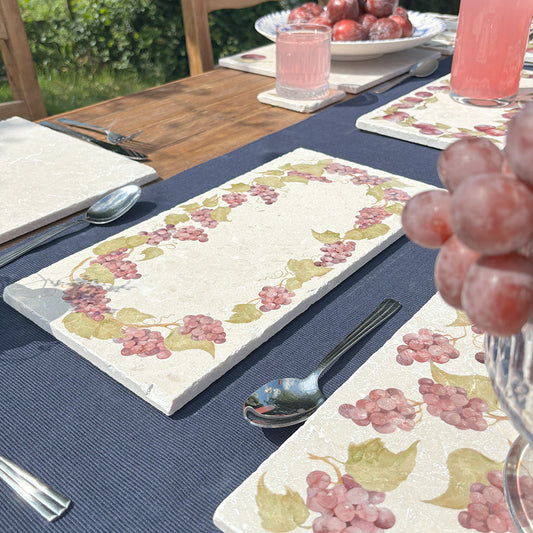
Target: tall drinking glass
{"points": [[303, 59], [492, 37]]}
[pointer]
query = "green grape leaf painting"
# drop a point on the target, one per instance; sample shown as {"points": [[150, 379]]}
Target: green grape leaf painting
{"points": [[244, 313], [465, 467], [177, 342], [86, 327], [476, 386], [280, 512], [376, 467]]}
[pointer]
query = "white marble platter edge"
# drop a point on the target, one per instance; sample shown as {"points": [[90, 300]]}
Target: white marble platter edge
{"points": [[266, 228], [425, 470], [429, 116], [47, 175]]}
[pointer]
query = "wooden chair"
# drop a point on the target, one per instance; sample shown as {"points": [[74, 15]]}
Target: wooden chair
{"points": [[27, 98], [197, 36]]}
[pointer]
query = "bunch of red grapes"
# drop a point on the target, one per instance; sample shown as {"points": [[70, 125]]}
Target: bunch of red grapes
{"points": [[357, 20], [483, 225]]}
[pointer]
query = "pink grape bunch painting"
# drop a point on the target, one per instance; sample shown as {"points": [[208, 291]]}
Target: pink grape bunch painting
{"points": [[483, 225], [357, 20]]}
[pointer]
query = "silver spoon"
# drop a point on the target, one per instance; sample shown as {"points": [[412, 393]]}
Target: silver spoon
{"points": [[105, 210], [289, 401], [419, 70]]}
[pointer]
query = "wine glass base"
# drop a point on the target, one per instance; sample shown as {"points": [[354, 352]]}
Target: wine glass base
{"points": [[483, 102], [518, 486]]}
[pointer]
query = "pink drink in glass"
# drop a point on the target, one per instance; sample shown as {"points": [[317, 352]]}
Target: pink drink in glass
{"points": [[492, 36], [303, 57]]}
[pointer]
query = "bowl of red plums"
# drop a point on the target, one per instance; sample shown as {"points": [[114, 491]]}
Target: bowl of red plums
{"points": [[360, 29]]}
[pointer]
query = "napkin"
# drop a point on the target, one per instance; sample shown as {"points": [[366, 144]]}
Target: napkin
{"points": [[422, 469], [48, 175]]}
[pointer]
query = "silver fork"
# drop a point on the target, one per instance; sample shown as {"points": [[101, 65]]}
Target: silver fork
{"points": [[45, 500], [112, 137]]}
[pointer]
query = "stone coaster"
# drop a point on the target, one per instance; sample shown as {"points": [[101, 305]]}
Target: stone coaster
{"points": [[417, 466], [303, 106], [47, 175], [172, 303]]}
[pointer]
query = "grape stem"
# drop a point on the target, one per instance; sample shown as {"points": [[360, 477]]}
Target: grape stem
{"points": [[328, 460]]}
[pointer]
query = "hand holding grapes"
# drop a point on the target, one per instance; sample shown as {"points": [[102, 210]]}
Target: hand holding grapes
{"points": [[483, 225]]}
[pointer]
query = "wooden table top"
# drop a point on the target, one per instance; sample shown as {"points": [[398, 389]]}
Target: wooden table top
{"points": [[192, 120]]}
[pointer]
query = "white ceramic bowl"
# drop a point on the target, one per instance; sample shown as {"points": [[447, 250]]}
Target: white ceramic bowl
{"points": [[425, 27]]}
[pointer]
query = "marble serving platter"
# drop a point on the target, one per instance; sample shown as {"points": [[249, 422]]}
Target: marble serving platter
{"points": [[429, 116], [424, 469], [179, 299], [47, 175], [349, 76]]}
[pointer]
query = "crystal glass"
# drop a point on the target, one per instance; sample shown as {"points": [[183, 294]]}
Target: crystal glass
{"points": [[509, 362]]}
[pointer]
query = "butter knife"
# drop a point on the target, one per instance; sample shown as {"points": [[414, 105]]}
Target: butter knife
{"points": [[132, 154]]}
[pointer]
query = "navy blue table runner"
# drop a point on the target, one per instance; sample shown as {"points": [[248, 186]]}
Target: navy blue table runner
{"points": [[126, 466]]}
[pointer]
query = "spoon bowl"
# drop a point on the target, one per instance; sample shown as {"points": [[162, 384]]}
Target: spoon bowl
{"points": [[103, 211], [290, 401], [113, 205]]}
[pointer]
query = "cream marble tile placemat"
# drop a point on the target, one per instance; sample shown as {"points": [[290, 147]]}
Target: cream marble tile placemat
{"points": [[422, 466], [46, 175], [169, 305], [348, 76], [430, 117]]}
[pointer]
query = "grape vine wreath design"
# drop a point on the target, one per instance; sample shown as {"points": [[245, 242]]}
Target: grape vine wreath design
{"points": [[347, 495], [89, 287], [426, 97]]}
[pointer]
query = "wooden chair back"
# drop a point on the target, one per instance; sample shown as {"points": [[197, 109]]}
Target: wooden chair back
{"points": [[27, 98], [197, 36]]}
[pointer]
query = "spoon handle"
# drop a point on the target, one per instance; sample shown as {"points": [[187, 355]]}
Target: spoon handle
{"points": [[382, 312], [37, 241], [390, 84]]}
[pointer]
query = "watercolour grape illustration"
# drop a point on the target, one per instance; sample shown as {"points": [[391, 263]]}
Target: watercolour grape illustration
{"points": [[347, 507], [425, 345], [118, 262]]}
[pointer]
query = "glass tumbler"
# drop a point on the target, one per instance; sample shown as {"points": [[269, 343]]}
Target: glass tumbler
{"points": [[303, 60]]}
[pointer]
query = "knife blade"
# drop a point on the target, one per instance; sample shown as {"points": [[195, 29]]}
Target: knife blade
{"points": [[132, 154]]}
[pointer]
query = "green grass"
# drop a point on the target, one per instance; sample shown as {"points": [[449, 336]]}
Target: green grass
{"points": [[70, 90]]}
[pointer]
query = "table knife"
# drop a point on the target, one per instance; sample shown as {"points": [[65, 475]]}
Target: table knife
{"points": [[132, 154]]}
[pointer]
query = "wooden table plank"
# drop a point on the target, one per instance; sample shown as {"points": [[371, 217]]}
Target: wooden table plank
{"points": [[190, 121]]}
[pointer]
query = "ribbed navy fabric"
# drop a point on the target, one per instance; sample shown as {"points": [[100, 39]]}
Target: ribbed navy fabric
{"points": [[126, 466]]}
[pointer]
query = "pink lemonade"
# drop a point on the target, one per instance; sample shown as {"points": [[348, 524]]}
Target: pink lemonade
{"points": [[492, 36], [303, 56]]}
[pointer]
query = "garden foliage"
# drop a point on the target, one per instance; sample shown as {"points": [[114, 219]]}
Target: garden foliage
{"points": [[143, 36]]}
